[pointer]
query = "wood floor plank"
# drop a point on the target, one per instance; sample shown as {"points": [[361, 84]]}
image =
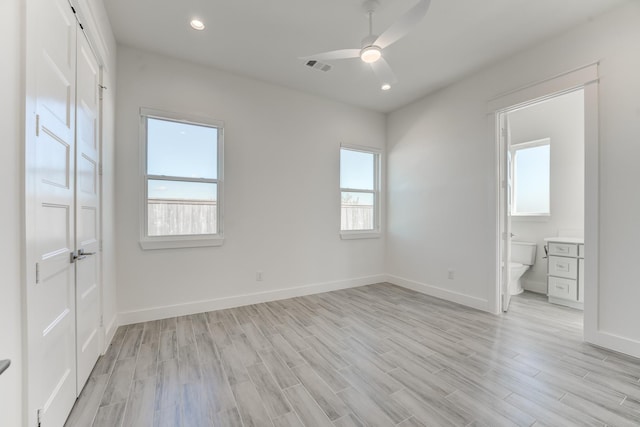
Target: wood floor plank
{"points": [[306, 408], [195, 409], [131, 343], [168, 345], [189, 364], [110, 415], [141, 403], [147, 361], [378, 355], [86, 407], [365, 408], [280, 371], [168, 390], [290, 419], [331, 404], [117, 389], [432, 409], [349, 420], [250, 407], [272, 397], [286, 352]]}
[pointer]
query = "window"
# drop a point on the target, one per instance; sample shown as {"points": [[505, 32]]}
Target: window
{"points": [[182, 185], [530, 172], [359, 192]]}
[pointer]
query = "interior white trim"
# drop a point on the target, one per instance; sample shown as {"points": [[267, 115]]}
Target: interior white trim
{"points": [[184, 309], [435, 291], [110, 331], [550, 87], [617, 343]]}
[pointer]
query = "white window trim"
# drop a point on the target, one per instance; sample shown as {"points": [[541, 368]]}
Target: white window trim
{"points": [[184, 241], [513, 148], [376, 232]]}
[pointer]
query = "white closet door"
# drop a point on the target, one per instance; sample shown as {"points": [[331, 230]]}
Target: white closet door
{"points": [[87, 210], [50, 169]]}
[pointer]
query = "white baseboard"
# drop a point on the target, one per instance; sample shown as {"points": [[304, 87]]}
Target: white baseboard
{"points": [[474, 302], [533, 286], [110, 331], [164, 312], [613, 342]]}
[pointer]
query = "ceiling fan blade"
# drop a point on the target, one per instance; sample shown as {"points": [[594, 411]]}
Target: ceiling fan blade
{"points": [[334, 54], [402, 26], [384, 72]]}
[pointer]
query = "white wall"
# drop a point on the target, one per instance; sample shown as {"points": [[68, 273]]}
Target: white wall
{"points": [[11, 71], [442, 203], [281, 206], [562, 120]]}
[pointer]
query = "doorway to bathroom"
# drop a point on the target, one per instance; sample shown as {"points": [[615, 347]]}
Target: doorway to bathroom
{"points": [[577, 253], [544, 197]]}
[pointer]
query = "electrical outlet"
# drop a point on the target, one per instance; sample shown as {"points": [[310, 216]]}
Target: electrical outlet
{"points": [[259, 276], [451, 274]]}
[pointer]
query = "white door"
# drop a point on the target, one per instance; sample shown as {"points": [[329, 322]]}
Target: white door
{"points": [[505, 205], [87, 211], [50, 217]]}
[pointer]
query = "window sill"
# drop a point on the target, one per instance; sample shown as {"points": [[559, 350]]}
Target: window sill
{"points": [[180, 242], [353, 235], [531, 218]]}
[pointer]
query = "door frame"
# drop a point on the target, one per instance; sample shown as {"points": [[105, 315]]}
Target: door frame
{"points": [[585, 78]]}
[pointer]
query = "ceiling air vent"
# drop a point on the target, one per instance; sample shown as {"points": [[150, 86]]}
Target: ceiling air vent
{"points": [[318, 65]]}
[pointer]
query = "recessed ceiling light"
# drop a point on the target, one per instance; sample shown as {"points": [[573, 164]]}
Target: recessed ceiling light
{"points": [[385, 86], [197, 24]]}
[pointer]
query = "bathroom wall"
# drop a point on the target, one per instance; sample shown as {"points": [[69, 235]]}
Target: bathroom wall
{"points": [[562, 120]]}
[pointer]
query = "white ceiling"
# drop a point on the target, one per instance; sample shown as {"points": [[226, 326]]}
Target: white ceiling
{"points": [[263, 39]]}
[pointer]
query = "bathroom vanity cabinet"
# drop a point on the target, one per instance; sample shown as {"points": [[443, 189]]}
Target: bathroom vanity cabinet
{"points": [[565, 271]]}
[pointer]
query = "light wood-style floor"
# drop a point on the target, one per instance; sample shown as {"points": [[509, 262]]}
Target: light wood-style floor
{"points": [[377, 356]]}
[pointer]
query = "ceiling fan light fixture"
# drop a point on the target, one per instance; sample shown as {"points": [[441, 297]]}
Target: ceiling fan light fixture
{"points": [[197, 24], [385, 86], [370, 54]]}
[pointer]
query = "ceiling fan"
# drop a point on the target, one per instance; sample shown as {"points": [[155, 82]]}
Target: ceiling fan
{"points": [[372, 45]]}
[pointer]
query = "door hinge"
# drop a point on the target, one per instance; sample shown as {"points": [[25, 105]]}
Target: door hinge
{"points": [[101, 321], [39, 417], [37, 273], [100, 169], [37, 124], [73, 9], [100, 245]]}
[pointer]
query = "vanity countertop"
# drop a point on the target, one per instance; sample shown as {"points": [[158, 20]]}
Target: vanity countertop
{"points": [[578, 240]]}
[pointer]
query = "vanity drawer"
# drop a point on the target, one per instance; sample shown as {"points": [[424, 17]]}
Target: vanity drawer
{"points": [[580, 251], [563, 288], [563, 267], [563, 249]]}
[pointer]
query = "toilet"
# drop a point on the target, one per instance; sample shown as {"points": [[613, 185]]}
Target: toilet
{"points": [[523, 256]]}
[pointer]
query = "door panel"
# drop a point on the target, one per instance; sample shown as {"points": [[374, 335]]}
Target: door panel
{"points": [[51, 299], [87, 211]]}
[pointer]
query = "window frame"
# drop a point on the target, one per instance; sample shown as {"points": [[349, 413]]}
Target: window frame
{"points": [[513, 149], [377, 180], [179, 241]]}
